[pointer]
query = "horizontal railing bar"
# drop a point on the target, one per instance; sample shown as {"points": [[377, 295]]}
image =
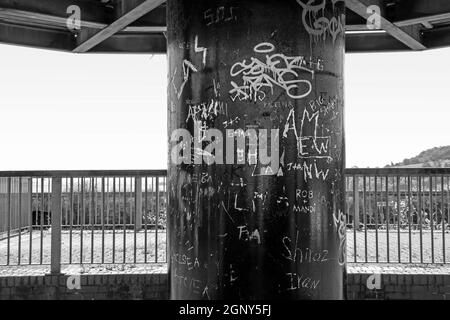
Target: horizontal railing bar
{"points": [[84, 173], [379, 210], [396, 171], [162, 172]]}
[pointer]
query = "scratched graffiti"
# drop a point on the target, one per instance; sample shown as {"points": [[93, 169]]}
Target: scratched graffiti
{"points": [[340, 226], [310, 145], [220, 15], [261, 77], [229, 224], [207, 110], [299, 255], [188, 68], [317, 24]]}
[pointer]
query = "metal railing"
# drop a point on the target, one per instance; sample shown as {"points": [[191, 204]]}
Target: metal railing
{"points": [[119, 217], [107, 217], [398, 215]]}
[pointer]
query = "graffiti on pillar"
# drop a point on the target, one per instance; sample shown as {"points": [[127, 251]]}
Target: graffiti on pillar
{"points": [[294, 252], [222, 14], [259, 77], [310, 171], [207, 110], [314, 143], [341, 228], [317, 24], [247, 235], [303, 202], [202, 115], [201, 50], [326, 106], [188, 67], [300, 281], [310, 145], [244, 219]]}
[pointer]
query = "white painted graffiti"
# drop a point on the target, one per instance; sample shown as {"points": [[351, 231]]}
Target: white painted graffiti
{"points": [[317, 24], [277, 70], [188, 67], [341, 226], [203, 50]]}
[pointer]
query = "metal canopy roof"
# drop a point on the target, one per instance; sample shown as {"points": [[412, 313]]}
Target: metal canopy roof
{"points": [[138, 26]]}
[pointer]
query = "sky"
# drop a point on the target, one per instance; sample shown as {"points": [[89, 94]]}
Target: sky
{"points": [[61, 111]]}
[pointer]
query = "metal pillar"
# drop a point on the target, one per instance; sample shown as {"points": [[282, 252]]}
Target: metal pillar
{"points": [[256, 150]]}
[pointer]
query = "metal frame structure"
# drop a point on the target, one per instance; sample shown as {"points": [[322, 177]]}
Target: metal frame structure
{"points": [[139, 26]]}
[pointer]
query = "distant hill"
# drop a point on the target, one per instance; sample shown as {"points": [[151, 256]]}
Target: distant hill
{"points": [[438, 157]]}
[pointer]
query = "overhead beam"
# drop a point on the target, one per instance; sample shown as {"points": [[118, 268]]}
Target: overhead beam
{"points": [[437, 37], [21, 17], [356, 42], [33, 19], [360, 8], [91, 10], [417, 9], [133, 43], [155, 43], [427, 24], [372, 42], [42, 24], [118, 25], [36, 37], [423, 20], [156, 17]]}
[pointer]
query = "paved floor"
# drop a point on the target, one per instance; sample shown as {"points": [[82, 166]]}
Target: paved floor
{"points": [[424, 248], [34, 270], [384, 268], [95, 259], [138, 247], [352, 268]]}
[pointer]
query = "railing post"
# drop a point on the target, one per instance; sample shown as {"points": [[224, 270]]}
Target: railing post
{"points": [[138, 195], [356, 202], [56, 225], [156, 219]]}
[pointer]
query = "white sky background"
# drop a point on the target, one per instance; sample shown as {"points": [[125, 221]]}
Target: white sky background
{"points": [[65, 111]]}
